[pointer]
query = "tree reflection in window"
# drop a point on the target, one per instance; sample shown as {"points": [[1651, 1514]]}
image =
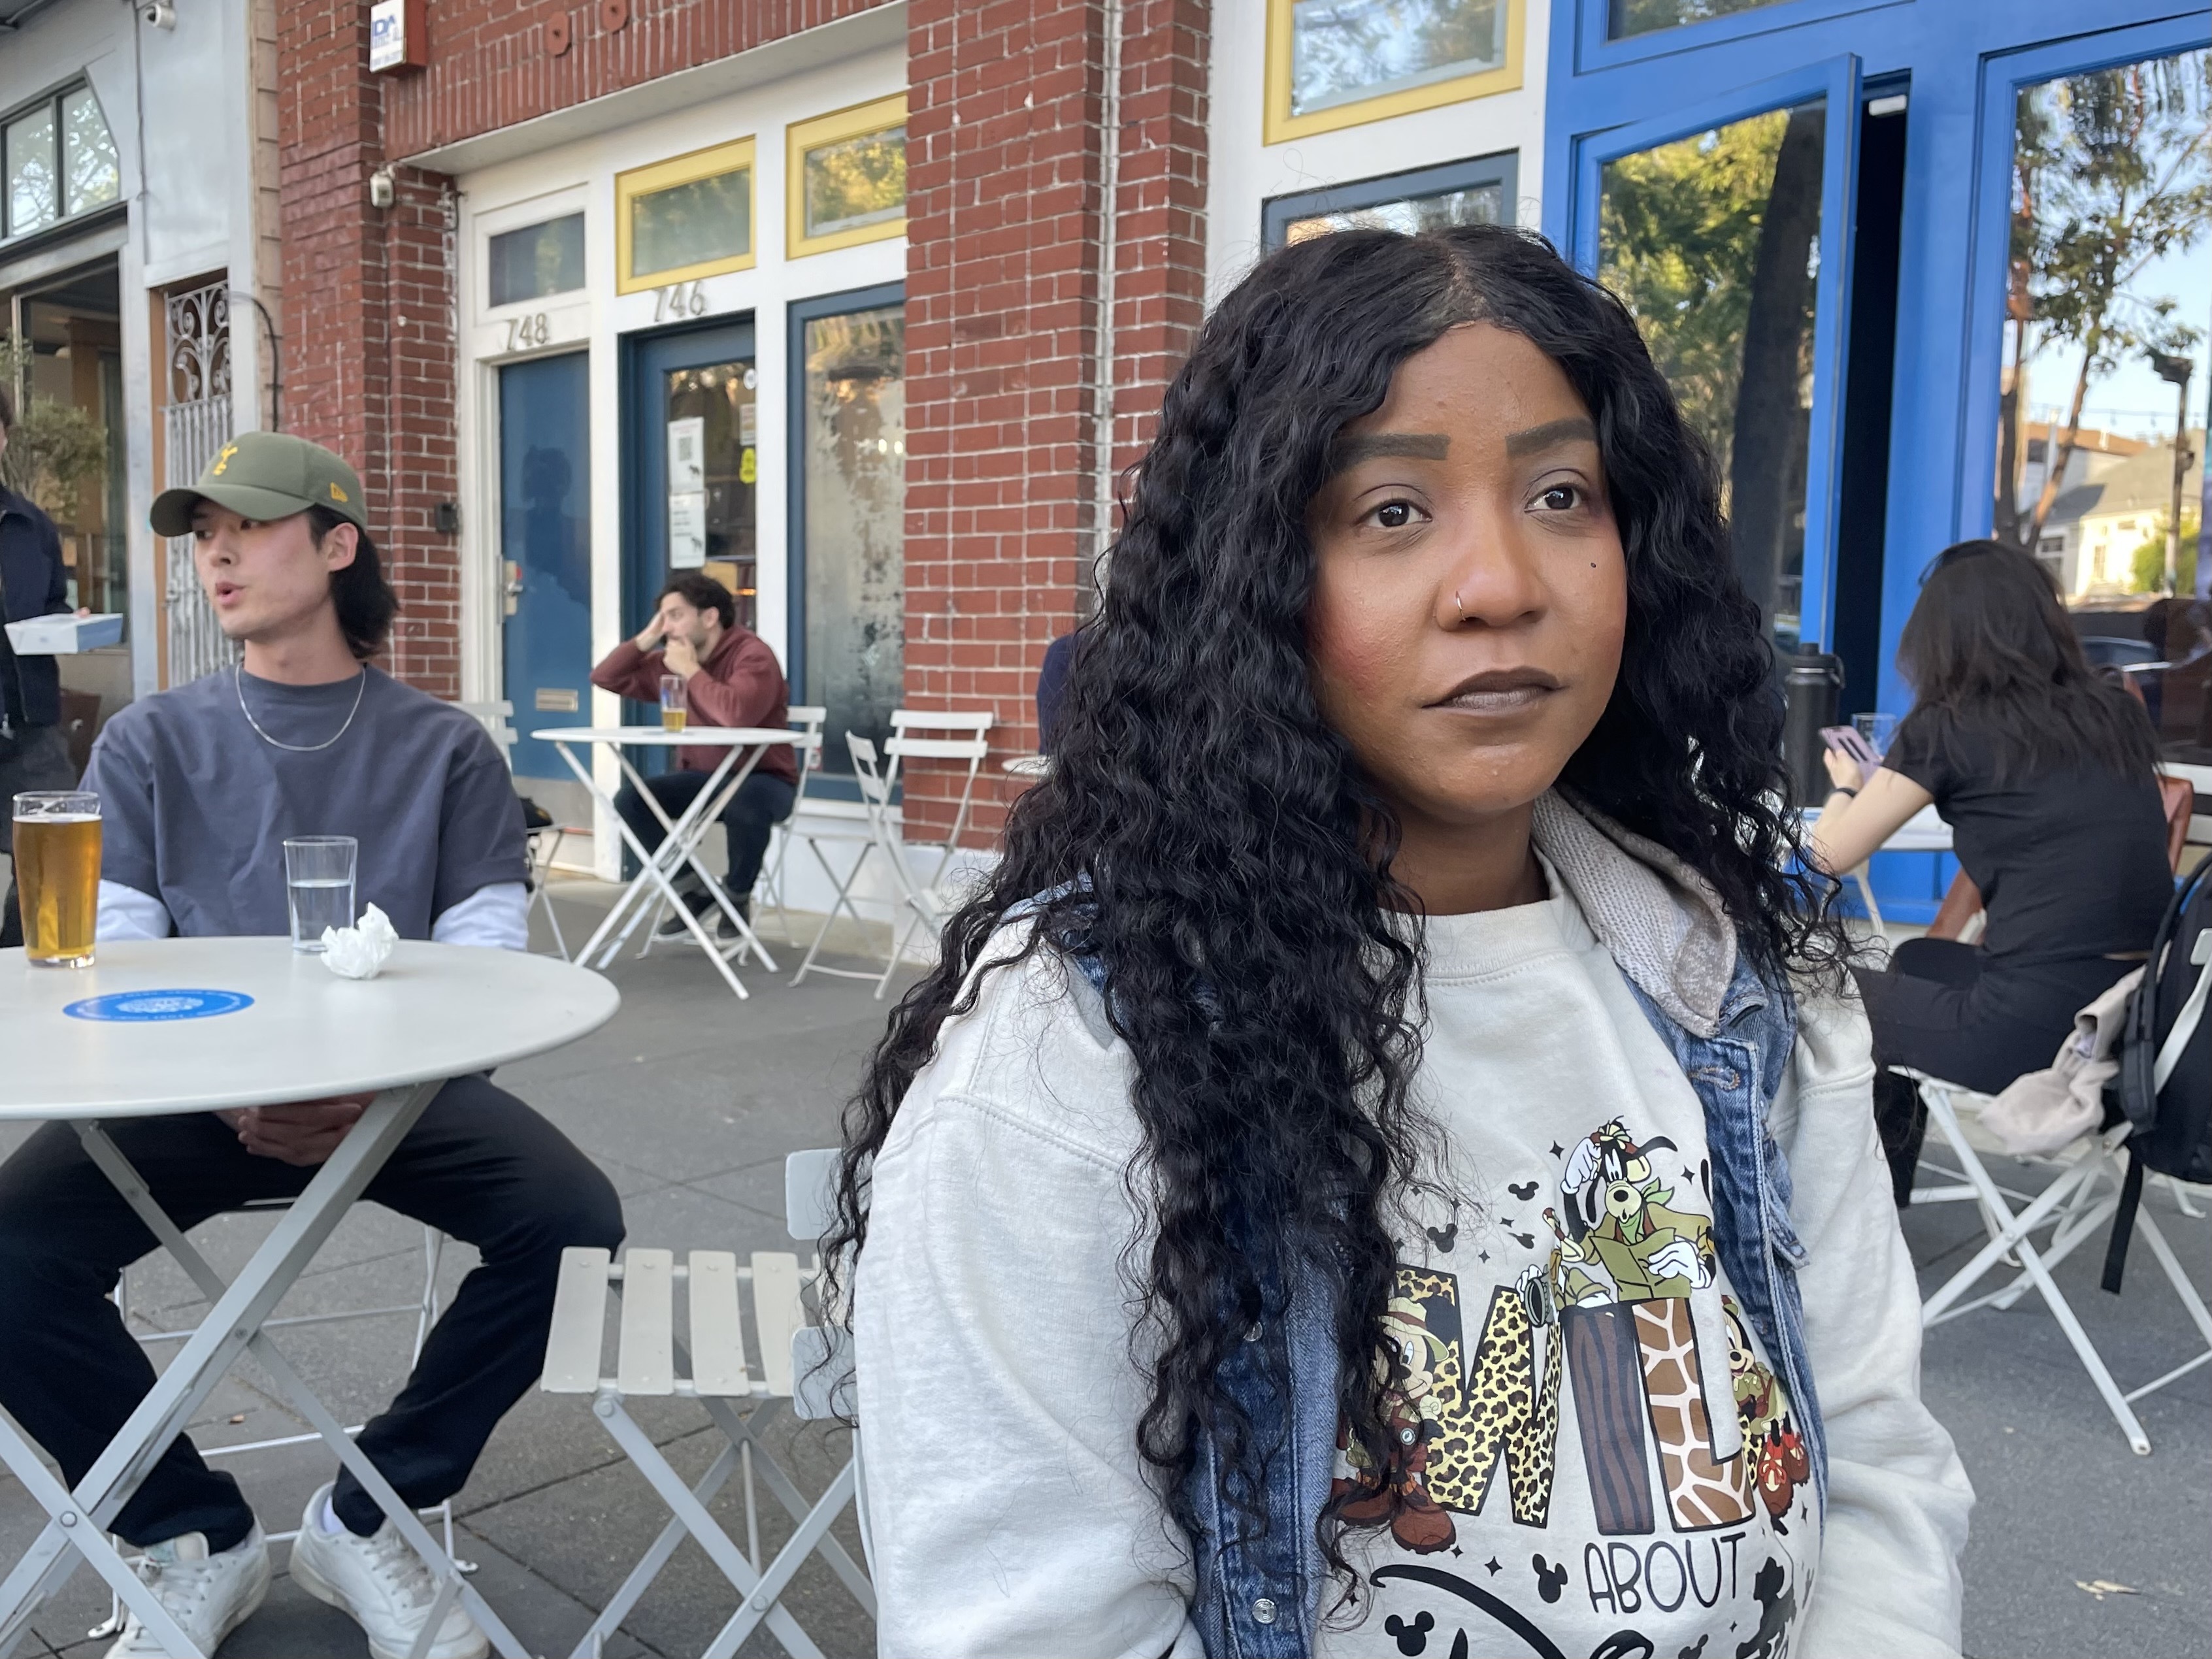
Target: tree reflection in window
{"points": [[1713, 242], [1343, 51], [90, 177], [855, 183], [692, 224]]}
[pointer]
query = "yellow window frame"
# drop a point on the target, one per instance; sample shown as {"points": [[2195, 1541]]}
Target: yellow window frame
{"points": [[1279, 125], [858, 121], [735, 156]]}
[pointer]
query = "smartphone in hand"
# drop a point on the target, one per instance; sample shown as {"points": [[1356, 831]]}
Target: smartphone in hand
{"points": [[1850, 741]]}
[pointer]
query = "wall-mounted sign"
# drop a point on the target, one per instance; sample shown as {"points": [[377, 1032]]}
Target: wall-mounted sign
{"points": [[687, 531], [398, 35], [687, 454]]}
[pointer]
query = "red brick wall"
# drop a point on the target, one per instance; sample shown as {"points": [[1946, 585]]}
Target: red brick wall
{"points": [[492, 62], [369, 360], [1005, 172]]}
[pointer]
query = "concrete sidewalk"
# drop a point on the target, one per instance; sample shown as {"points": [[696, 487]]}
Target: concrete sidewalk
{"points": [[690, 1099]]}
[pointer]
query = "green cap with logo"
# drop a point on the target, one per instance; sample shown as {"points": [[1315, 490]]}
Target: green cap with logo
{"points": [[264, 475]]}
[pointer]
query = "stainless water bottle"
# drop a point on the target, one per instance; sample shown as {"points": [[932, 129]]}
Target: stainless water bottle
{"points": [[1813, 687]]}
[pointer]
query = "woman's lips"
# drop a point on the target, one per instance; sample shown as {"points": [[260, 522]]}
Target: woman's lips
{"points": [[1499, 692]]}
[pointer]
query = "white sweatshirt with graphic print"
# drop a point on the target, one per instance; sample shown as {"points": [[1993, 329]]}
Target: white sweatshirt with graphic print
{"points": [[1594, 1452]]}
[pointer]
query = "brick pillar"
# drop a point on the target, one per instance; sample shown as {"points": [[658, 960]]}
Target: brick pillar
{"points": [[369, 354], [1006, 174]]}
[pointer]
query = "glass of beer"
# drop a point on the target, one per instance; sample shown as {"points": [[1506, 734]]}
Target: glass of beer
{"points": [[672, 707], [57, 845]]}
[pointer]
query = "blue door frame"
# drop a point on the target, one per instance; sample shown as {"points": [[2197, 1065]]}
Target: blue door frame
{"points": [[1960, 63]]}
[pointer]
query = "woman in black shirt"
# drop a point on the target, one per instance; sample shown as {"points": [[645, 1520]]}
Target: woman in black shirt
{"points": [[2047, 778]]}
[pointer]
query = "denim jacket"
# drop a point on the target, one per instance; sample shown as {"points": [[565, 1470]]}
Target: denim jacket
{"points": [[1258, 1596]]}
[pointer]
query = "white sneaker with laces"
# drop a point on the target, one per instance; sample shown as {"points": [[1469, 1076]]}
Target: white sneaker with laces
{"points": [[208, 1596], [382, 1584]]}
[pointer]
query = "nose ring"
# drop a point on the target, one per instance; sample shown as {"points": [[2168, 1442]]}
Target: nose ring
{"points": [[1457, 606]]}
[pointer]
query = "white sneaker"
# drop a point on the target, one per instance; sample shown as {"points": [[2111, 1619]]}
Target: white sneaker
{"points": [[208, 1596], [382, 1583]]}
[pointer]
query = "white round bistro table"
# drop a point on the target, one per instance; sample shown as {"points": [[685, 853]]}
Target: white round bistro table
{"points": [[743, 747], [163, 1026]]}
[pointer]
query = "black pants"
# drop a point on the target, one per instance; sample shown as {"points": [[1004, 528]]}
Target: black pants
{"points": [[759, 805], [479, 1165], [1936, 1009]]}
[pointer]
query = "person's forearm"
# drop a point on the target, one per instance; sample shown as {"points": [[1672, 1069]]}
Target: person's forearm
{"points": [[629, 673]]}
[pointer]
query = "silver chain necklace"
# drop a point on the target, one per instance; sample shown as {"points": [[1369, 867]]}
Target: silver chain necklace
{"points": [[238, 679]]}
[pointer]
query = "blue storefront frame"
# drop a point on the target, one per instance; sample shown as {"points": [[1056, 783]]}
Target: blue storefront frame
{"points": [[1960, 65]]}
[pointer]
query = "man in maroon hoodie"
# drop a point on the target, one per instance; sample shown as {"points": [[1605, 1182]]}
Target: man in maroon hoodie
{"points": [[729, 679]]}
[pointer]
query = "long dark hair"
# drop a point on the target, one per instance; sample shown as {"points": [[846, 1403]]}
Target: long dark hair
{"points": [[1989, 651], [1207, 837], [365, 602]]}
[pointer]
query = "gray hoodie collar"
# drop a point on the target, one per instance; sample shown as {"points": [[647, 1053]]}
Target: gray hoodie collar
{"points": [[1660, 921]]}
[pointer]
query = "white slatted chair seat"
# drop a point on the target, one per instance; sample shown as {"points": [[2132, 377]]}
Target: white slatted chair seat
{"points": [[793, 1359]]}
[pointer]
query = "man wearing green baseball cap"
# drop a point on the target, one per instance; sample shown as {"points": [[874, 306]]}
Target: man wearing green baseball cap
{"points": [[199, 786]]}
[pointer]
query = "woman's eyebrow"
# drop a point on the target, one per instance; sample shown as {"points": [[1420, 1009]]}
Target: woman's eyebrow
{"points": [[1415, 446], [1550, 433]]}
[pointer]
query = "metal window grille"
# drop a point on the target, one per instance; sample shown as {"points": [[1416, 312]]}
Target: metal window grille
{"points": [[195, 424]]}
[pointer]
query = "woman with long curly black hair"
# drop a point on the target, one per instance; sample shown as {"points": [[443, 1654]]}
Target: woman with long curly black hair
{"points": [[1335, 1194]]}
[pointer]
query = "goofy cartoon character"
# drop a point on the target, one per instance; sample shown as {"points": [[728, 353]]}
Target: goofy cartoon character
{"points": [[1620, 1215]]}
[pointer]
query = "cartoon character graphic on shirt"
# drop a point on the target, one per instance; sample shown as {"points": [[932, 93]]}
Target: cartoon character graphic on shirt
{"points": [[1621, 1214], [1770, 1439], [1406, 1364], [1624, 1219]]}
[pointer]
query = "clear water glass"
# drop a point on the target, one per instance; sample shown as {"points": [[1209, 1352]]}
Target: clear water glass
{"points": [[1877, 730], [318, 881]]}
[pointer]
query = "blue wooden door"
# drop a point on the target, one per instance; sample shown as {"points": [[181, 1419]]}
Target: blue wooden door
{"points": [[545, 549]]}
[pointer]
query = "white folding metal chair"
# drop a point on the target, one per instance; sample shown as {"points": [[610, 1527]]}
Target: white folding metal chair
{"points": [[544, 841], [807, 1364], [914, 736], [424, 1308], [806, 719], [2079, 1201]]}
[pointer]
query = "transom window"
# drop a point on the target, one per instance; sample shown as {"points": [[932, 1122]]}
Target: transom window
{"points": [[679, 220]]}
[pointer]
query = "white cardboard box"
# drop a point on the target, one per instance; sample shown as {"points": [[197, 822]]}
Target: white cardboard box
{"points": [[62, 636]]}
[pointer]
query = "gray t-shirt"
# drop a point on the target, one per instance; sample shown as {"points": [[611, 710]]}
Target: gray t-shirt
{"points": [[197, 805]]}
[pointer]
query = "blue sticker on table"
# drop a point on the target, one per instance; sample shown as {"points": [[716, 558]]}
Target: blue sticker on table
{"points": [[133, 1006]]}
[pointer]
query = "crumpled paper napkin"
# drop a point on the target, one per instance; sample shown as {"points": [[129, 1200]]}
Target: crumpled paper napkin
{"points": [[360, 951]]}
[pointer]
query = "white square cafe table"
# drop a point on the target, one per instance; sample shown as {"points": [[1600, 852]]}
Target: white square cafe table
{"points": [[157, 1027], [743, 747]]}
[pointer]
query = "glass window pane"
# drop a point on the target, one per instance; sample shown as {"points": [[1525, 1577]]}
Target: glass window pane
{"points": [[1713, 242], [29, 141], [537, 260], [1344, 51], [1628, 18], [1480, 204], [89, 174], [856, 183], [854, 434], [714, 470], [2111, 209], [691, 224]]}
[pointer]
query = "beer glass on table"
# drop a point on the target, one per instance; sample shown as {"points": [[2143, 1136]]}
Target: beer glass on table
{"points": [[57, 846], [672, 707], [318, 877]]}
